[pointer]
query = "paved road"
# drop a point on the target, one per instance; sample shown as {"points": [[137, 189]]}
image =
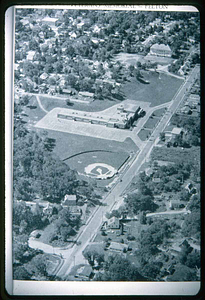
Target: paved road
{"points": [[96, 221]]}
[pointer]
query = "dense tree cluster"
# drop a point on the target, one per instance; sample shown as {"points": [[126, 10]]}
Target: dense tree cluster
{"points": [[37, 172], [192, 126], [117, 268]]}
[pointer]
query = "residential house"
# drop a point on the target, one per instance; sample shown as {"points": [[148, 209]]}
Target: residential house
{"points": [[175, 204], [113, 223], [84, 272], [149, 171], [176, 131], [86, 94], [118, 247], [52, 90], [191, 189], [75, 211], [156, 179], [50, 21], [30, 55], [69, 200], [44, 76], [48, 210]]}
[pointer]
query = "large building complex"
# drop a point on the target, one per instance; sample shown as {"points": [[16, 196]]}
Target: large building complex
{"points": [[121, 116]]}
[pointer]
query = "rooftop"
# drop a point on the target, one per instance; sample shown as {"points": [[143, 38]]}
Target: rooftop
{"points": [[176, 130], [160, 47]]}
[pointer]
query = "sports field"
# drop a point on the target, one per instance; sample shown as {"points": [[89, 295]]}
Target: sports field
{"points": [[100, 163]]}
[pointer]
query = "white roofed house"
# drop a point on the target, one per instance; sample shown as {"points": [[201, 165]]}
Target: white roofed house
{"points": [[30, 55], [44, 76], [176, 131], [69, 200], [113, 223], [50, 21], [118, 247], [160, 50]]}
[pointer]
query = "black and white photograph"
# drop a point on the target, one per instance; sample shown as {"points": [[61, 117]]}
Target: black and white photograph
{"points": [[106, 145]]}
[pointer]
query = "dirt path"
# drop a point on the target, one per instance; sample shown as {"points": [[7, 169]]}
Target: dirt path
{"points": [[39, 103]]}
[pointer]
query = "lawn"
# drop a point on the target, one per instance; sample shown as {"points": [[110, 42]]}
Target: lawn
{"points": [[176, 155], [67, 144], [144, 134], [32, 112], [151, 123], [159, 112], [97, 105], [161, 88]]}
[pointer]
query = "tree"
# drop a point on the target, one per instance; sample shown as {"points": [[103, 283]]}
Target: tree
{"points": [[143, 219], [24, 100], [117, 268], [162, 136], [138, 202], [20, 273], [193, 259], [151, 270]]}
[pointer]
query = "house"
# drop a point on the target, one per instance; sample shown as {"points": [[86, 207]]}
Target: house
{"points": [[119, 247], [176, 131], [156, 179], [175, 204], [75, 211], [84, 272], [30, 55], [160, 50], [44, 76], [52, 90], [69, 200], [67, 91], [50, 21], [191, 189], [86, 94], [48, 210], [149, 171], [113, 223]]}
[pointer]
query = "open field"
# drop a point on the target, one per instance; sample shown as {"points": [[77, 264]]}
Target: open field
{"points": [[68, 144], [51, 102], [158, 59], [161, 88], [176, 155], [151, 123], [32, 112], [144, 133], [128, 58]]}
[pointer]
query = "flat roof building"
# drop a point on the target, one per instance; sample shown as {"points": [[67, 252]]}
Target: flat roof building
{"points": [[121, 116]]}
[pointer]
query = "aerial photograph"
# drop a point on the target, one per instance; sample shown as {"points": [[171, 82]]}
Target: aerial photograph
{"points": [[106, 145]]}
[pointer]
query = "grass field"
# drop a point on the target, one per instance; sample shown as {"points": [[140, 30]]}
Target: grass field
{"points": [[159, 112], [97, 105], [151, 122], [144, 133], [32, 112], [68, 144], [161, 88]]}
